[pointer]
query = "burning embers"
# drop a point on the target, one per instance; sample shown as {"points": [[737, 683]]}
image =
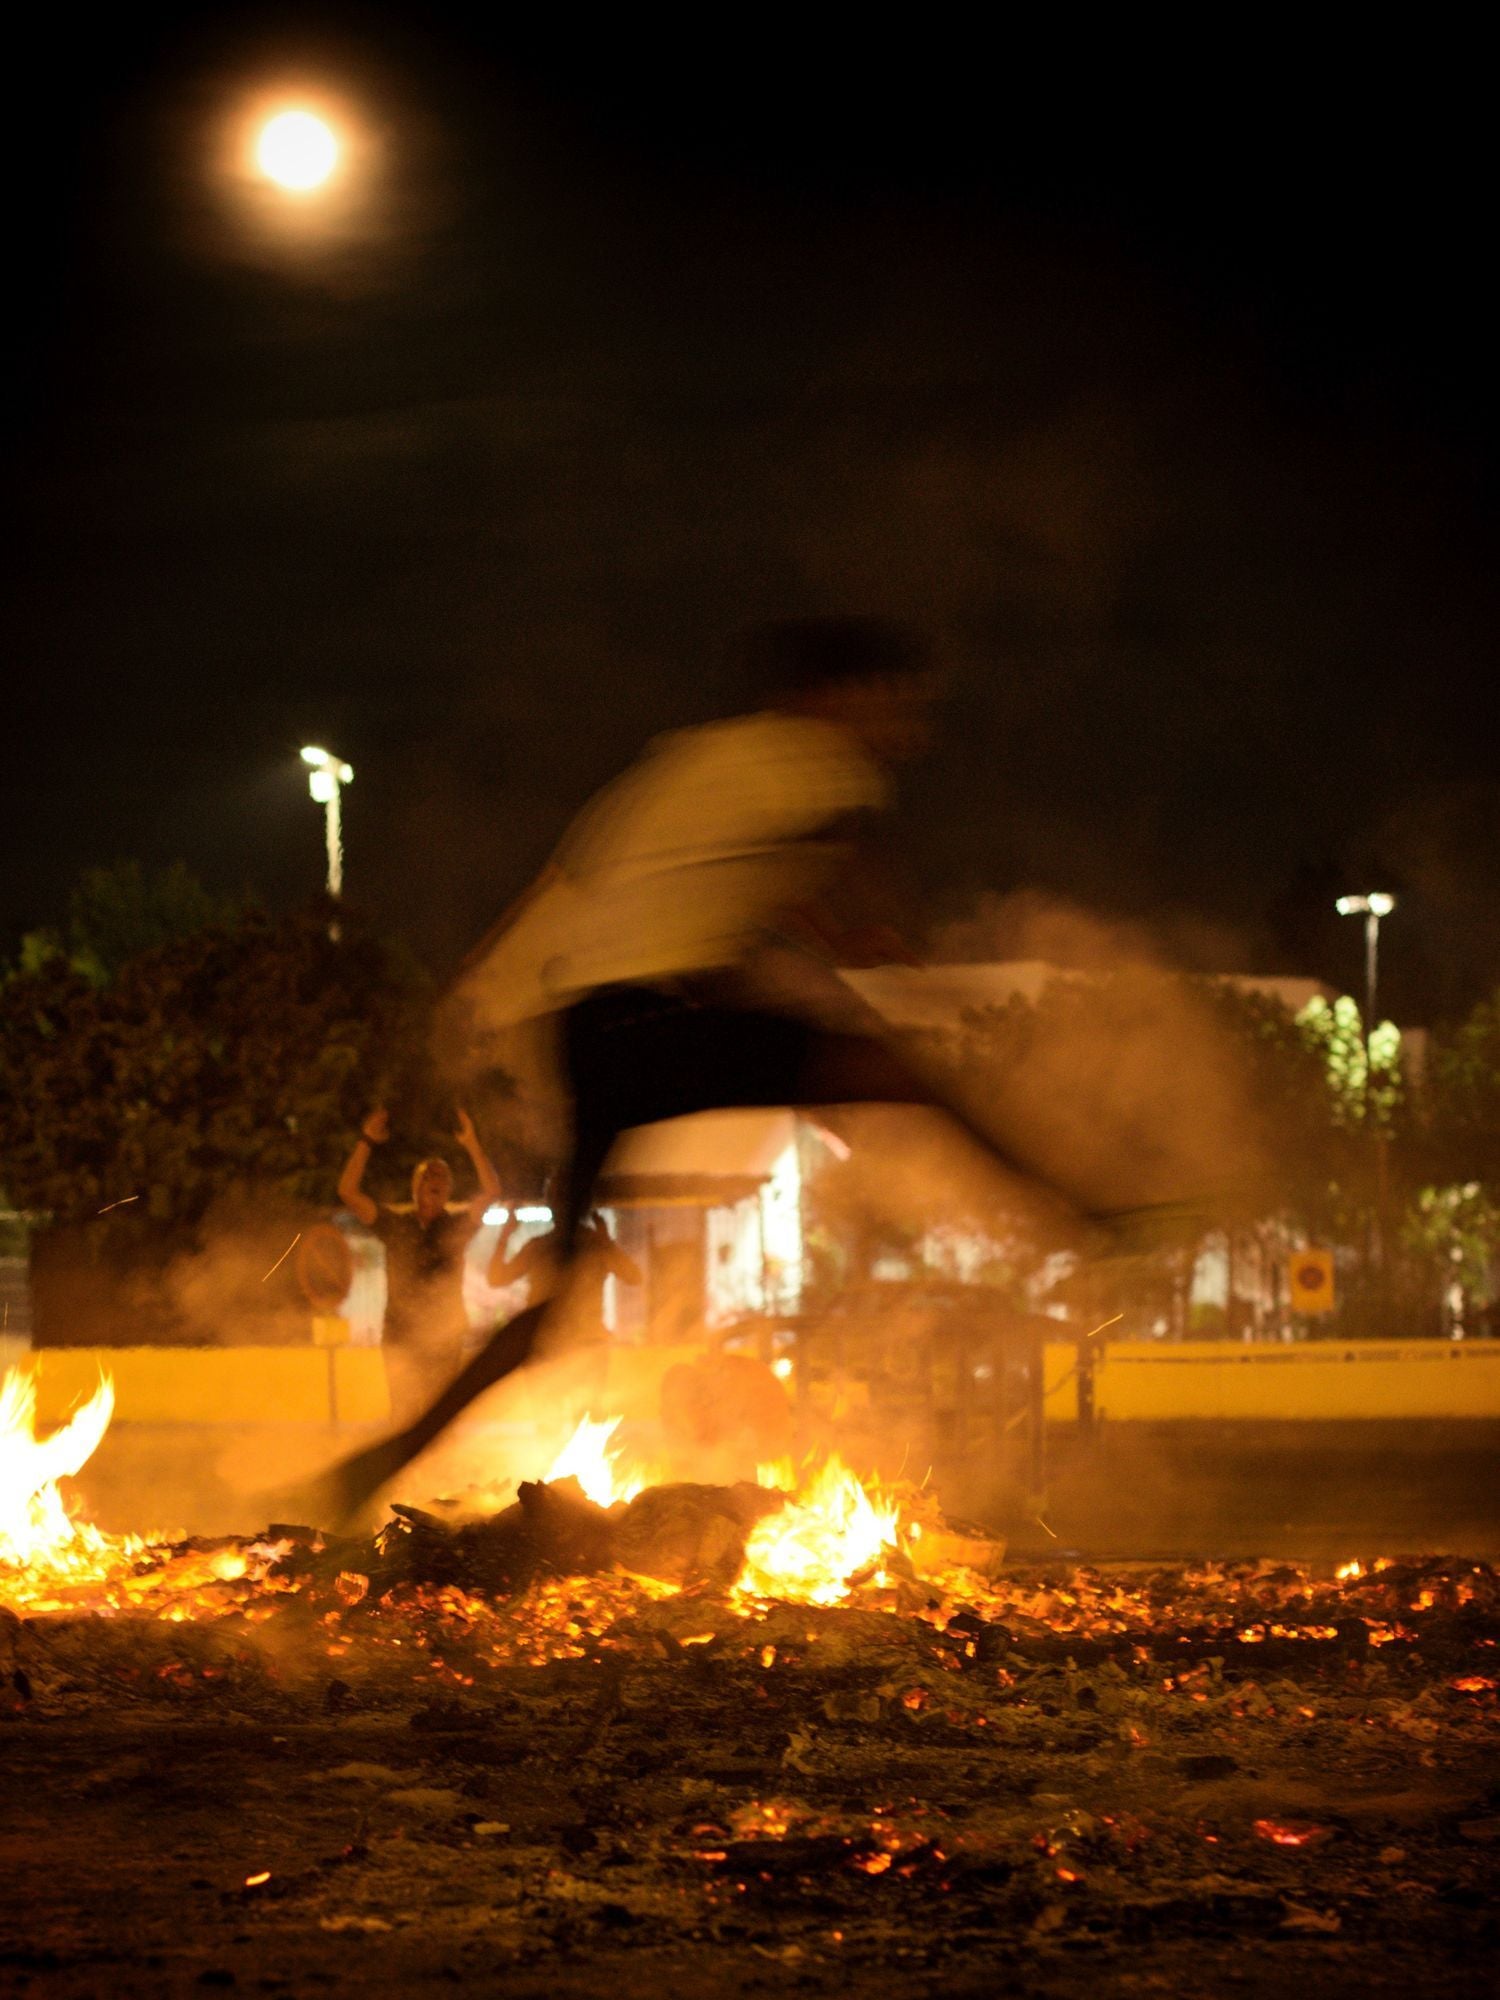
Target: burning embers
{"points": [[594, 1548], [1201, 1758], [811, 1539], [51, 1561], [823, 1536]]}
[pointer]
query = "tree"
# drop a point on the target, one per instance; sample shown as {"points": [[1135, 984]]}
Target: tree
{"points": [[1250, 1126], [122, 911], [1453, 1222], [205, 1096], [1464, 1099], [244, 1053]]}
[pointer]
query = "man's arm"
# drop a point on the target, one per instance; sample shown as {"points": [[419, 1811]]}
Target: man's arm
{"points": [[374, 1132], [535, 1255], [620, 1265], [484, 1172]]}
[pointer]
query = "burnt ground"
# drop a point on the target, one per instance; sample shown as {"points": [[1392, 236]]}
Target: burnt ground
{"points": [[1221, 1779]]}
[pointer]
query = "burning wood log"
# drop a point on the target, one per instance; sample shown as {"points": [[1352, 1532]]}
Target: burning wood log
{"points": [[691, 1534], [676, 1534], [551, 1530]]}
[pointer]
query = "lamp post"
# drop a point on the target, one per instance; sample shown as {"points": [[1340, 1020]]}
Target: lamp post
{"points": [[326, 778], [1372, 908]]}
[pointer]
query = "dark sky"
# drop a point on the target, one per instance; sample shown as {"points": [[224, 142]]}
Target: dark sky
{"points": [[1154, 381]]}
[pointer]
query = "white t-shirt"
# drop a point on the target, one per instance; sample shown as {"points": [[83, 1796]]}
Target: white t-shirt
{"points": [[682, 864]]}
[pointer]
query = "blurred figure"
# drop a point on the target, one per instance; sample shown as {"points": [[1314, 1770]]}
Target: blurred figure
{"points": [[582, 1335], [685, 936], [423, 1335], [540, 1259]]}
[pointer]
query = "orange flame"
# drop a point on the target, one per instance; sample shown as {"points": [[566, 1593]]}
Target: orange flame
{"points": [[37, 1531], [589, 1458], [828, 1533]]}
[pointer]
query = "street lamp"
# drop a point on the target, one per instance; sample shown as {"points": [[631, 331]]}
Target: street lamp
{"points": [[1372, 908], [326, 778]]}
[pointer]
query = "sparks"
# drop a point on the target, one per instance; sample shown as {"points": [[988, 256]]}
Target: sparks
{"points": [[283, 1257]]}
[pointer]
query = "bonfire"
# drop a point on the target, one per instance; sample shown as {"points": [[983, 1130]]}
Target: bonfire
{"points": [[797, 1720]]}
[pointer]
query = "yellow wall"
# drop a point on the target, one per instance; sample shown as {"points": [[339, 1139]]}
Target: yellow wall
{"points": [[190, 1385], [1325, 1379], [1202, 1379]]}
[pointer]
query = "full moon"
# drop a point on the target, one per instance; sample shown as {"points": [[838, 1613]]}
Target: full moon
{"points": [[297, 151]]}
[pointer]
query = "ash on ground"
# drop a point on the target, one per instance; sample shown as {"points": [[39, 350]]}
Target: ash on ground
{"points": [[295, 1766]]}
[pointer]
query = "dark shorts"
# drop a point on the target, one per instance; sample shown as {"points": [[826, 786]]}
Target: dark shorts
{"points": [[635, 1056]]}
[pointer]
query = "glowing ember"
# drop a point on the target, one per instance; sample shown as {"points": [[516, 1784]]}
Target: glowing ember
{"points": [[1292, 1832], [764, 1819], [588, 1458], [823, 1539]]}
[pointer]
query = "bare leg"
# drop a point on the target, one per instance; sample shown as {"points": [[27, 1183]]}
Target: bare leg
{"points": [[356, 1480], [661, 1059]]}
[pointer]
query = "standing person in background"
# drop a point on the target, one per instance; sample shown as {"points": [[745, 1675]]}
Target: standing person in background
{"points": [[425, 1324], [596, 1257], [541, 1258]]}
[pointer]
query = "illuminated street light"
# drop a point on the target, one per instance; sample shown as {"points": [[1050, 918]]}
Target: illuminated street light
{"points": [[326, 779], [297, 150], [1372, 908]]}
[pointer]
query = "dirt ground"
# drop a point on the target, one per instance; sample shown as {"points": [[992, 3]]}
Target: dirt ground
{"points": [[1185, 1779]]}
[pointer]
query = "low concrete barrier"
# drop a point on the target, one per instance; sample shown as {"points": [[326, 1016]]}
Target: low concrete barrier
{"points": [[1143, 1381], [1331, 1380], [217, 1385]]}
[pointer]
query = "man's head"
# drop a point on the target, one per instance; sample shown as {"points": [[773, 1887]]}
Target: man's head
{"points": [[431, 1187], [870, 676]]}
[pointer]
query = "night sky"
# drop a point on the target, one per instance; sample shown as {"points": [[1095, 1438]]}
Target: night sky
{"points": [[1157, 389]]}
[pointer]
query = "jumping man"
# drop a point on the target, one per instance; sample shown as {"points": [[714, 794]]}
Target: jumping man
{"points": [[685, 937]]}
